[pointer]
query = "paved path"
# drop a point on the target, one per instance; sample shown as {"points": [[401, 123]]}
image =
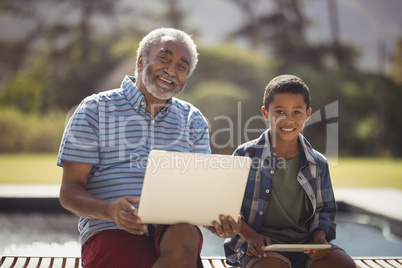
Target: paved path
{"points": [[380, 201], [29, 190]]}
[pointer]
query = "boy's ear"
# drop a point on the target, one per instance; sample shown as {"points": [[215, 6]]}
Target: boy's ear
{"points": [[264, 112], [308, 114]]}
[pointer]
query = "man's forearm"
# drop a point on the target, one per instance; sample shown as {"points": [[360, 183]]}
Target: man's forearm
{"points": [[76, 199]]}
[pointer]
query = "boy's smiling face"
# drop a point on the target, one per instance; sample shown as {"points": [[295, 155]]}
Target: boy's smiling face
{"points": [[287, 114]]}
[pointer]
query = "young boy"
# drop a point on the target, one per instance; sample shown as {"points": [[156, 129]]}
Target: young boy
{"points": [[289, 197]]}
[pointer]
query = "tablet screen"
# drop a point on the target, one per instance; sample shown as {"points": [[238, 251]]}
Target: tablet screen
{"points": [[296, 247]]}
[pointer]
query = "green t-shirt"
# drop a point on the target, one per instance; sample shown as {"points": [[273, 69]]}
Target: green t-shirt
{"points": [[285, 214]]}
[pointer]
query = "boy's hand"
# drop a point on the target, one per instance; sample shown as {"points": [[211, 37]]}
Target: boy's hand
{"points": [[318, 238], [256, 244], [317, 254], [227, 228]]}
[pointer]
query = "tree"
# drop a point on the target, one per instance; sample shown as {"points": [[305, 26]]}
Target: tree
{"points": [[174, 15], [281, 30], [73, 60], [250, 31], [396, 71], [14, 51]]}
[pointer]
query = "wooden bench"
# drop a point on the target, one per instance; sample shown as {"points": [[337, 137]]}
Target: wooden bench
{"points": [[209, 262]]}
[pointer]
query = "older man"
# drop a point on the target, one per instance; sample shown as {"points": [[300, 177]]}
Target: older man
{"points": [[104, 151]]}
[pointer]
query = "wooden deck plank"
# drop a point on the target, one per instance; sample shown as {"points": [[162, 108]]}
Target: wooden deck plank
{"points": [[77, 263], [209, 262], [206, 263], [218, 264], [361, 264], [20, 262], [385, 264], [45, 262], [8, 261], [372, 264], [34, 262], [395, 263]]}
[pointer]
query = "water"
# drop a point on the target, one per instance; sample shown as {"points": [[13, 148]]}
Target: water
{"points": [[55, 234]]}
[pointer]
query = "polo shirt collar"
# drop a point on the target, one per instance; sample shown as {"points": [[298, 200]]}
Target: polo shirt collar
{"points": [[136, 98]]}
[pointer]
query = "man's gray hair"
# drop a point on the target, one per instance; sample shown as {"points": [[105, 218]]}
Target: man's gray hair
{"points": [[154, 37]]}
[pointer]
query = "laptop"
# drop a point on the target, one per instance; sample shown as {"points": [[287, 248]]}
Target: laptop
{"points": [[192, 188]]}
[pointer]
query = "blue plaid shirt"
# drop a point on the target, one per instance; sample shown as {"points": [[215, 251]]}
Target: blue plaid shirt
{"points": [[313, 177]]}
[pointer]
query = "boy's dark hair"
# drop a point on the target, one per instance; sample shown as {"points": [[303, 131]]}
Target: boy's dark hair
{"points": [[286, 84]]}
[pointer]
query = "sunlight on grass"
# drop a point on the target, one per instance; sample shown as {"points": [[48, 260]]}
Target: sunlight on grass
{"points": [[350, 172], [29, 169], [367, 172]]}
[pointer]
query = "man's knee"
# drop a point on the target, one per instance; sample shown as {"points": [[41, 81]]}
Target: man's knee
{"points": [[184, 229], [182, 235]]}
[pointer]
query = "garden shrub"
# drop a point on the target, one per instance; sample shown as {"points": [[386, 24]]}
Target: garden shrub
{"points": [[21, 132]]}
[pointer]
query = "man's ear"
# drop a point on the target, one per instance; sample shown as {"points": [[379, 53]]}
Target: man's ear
{"points": [[264, 112], [140, 63]]}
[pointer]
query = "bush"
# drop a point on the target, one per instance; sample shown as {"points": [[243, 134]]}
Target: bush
{"points": [[22, 132]]}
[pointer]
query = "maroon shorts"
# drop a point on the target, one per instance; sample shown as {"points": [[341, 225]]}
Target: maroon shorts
{"points": [[118, 248]]}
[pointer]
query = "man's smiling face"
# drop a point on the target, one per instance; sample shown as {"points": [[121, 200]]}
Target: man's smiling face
{"points": [[166, 68]]}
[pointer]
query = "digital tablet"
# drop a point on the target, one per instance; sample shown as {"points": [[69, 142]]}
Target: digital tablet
{"points": [[296, 247]]}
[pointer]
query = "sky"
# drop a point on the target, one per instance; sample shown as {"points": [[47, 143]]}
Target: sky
{"points": [[364, 23]]}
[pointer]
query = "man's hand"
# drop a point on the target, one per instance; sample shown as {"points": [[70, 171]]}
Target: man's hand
{"points": [[123, 213], [227, 228]]}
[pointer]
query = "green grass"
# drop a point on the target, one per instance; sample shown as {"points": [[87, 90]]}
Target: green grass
{"points": [[349, 172], [29, 169], [367, 172]]}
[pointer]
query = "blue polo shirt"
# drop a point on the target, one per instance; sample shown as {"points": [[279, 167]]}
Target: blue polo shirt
{"points": [[113, 132]]}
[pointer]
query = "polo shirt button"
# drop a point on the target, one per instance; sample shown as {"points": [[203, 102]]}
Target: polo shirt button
{"points": [[272, 171], [267, 191], [153, 121], [142, 103], [136, 107], [151, 147], [261, 213]]}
